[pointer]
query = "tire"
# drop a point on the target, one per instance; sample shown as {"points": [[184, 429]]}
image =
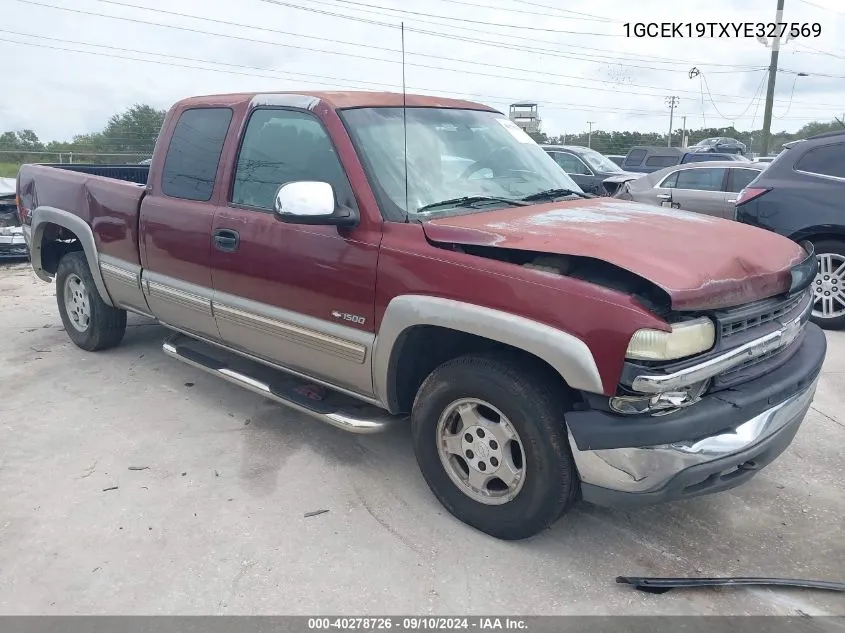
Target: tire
{"points": [[533, 404], [89, 322], [835, 251]]}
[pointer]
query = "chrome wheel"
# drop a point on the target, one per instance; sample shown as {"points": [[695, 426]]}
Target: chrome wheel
{"points": [[77, 303], [829, 287], [481, 451]]}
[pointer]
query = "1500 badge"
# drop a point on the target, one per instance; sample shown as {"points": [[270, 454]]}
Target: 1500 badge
{"points": [[345, 316]]}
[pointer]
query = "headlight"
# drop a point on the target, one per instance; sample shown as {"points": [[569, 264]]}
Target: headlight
{"points": [[685, 339]]}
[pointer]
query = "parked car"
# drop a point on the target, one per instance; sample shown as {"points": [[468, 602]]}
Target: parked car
{"points": [[12, 242], [764, 159], [701, 157], [616, 158], [708, 188], [545, 346], [721, 144], [800, 195], [587, 167], [646, 159]]}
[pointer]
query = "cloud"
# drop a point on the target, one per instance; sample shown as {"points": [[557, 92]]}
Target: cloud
{"points": [[603, 76]]}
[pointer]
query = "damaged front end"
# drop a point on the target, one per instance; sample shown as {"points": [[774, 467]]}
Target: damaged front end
{"points": [[12, 241]]}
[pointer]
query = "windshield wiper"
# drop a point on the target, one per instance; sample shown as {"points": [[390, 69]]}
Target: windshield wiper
{"points": [[551, 194], [468, 201]]}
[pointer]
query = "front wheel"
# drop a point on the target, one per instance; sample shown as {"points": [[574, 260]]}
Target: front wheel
{"points": [[89, 322], [491, 442], [829, 285]]}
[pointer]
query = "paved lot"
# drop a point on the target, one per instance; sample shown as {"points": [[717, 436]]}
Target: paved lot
{"points": [[215, 525]]}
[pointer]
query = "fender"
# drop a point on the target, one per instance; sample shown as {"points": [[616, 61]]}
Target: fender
{"points": [[44, 215], [567, 354]]}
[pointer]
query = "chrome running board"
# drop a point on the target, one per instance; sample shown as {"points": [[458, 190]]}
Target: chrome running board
{"points": [[335, 408]]}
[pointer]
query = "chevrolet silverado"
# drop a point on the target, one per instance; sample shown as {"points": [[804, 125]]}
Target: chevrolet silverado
{"points": [[371, 259]]}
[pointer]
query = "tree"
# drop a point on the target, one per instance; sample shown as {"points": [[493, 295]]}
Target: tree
{"points": [[20, 141]]}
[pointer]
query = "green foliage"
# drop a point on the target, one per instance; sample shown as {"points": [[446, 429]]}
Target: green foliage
{"points": [[621, 142], [128, 137]]}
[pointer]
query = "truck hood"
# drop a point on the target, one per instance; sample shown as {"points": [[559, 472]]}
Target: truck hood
{"points": [[701, 262]]}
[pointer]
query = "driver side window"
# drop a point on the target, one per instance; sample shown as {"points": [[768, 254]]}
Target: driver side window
{"points": [[571, 164], [282, 146]]}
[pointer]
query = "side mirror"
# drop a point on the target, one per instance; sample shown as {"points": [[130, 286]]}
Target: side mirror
{"points": [[311, 202]]}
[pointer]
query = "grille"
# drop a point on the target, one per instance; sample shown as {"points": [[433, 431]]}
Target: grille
{"points": [[766, 313], [750, 363]]}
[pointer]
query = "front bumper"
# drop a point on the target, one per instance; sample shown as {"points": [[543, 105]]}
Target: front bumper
{"points": [[713, 445]]}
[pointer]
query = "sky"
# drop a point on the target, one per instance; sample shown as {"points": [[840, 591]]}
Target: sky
{"points": [[70, 68]]}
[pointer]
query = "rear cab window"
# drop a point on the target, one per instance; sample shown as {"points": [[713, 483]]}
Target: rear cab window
{"points": [[635, 157], [661, 161], [193, 156]]}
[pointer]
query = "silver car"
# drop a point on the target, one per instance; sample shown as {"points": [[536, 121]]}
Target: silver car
{"points": [[710, 188]]}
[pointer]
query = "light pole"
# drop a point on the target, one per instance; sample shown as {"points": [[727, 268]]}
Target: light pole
{"points": [[590, 134], [672, 102], [684, 133], [770, 89]]}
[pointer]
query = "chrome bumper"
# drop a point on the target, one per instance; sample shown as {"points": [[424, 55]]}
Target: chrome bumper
{"points": [[669, 471]]}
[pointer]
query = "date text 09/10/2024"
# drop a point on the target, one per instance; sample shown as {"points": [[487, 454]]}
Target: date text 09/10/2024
{"points": [[722, 29], [421, 623]]}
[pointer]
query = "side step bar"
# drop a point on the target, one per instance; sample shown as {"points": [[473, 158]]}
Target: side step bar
{"points": [[338, 410]]}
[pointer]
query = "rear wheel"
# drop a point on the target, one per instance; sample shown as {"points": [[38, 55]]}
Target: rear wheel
{"points": [[89, 322], [490, 439], [829, 285]]}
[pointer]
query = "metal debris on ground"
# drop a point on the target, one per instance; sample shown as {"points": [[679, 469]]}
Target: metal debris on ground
{"points": [[110, 488], [139, 468], [315, 513], [662, 585]]}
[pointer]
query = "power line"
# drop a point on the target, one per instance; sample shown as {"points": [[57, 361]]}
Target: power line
{"points": [[430, 15], [818, 6], [589, 17], [309, 76], [579, 54], [549, 104], [614, 90]]}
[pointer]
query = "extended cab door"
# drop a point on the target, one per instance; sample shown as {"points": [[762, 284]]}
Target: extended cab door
{"points": [[176, 219], [298, 296]]}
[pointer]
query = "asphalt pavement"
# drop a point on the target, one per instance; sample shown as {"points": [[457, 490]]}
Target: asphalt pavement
{"points": [[133, 484]]}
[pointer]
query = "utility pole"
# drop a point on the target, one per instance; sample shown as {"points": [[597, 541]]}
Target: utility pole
{"points": [[770, 90], [590, 134], [684, 133], [672, 102]]}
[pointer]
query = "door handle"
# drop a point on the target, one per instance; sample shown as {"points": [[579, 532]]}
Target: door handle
{"points": [[732, 200], [226, 240], [664, 196]]}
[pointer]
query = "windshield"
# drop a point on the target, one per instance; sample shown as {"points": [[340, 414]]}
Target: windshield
{"points": [[452, 154], [599, 162]]}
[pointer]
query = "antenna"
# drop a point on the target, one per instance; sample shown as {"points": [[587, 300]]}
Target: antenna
{"points": [[405, 123]]}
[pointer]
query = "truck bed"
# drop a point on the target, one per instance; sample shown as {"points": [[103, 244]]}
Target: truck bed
{"points": [[107, 197]]}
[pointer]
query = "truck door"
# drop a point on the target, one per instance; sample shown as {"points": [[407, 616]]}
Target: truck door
{"points": [[298, 296], [176, 219]]}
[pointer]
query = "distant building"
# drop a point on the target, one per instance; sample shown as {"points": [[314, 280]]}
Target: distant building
{"points": [[526, 115]]}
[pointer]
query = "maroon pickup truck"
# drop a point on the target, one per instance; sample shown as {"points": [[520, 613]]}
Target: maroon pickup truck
{"points": [[370, 264]]}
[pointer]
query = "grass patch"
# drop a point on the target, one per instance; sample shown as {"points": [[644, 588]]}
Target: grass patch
{"points": [[9, 170]]}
